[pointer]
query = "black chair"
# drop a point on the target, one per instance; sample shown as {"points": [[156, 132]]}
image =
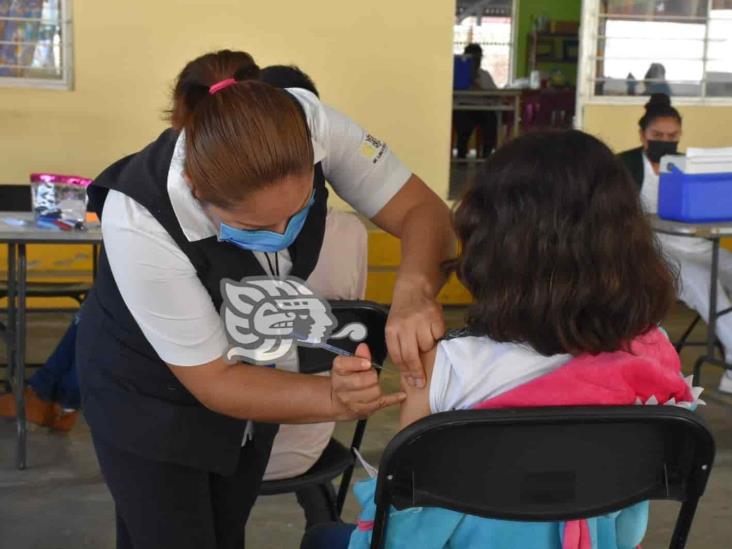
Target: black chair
{"points": [[17, 198], [547, 464], [336, 458]]}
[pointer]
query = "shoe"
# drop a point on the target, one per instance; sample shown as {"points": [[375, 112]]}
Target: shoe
{"points": [[7, 405], [37, 411], [62, 419], [725, 384]]}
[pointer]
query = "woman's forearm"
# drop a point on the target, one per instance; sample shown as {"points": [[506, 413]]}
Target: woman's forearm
{"points": [[259, 393], [423, 223], [269, 395], [427, 241], [266, 394]]}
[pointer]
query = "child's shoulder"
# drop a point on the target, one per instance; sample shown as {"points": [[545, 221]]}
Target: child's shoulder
{"points": [[468, 342], [468, 368], [456, 333]]}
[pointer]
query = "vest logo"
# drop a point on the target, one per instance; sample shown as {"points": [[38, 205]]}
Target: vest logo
{"points": [[265, 318]]}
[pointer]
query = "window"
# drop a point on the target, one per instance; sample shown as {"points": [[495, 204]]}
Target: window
{"points": [[637, 47], [35, 43], [492, 30]]}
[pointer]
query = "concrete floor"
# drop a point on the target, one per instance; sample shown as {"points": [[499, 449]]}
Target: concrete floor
{"points": [[60, 501]]}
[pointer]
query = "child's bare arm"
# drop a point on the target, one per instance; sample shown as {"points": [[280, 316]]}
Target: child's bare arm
{"points": [[417, 403]]}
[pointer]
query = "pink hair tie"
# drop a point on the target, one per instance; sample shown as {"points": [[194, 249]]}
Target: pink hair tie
{"points": [[218, 86]]}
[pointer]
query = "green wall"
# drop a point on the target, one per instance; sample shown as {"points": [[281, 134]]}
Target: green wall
{"points": [[565, 10]]}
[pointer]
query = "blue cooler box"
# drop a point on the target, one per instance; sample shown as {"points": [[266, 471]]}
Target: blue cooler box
{"points": [[461, 72], [703, 197]]}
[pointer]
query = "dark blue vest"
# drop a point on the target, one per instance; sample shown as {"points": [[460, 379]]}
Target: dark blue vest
{"points": [[130, 397]]}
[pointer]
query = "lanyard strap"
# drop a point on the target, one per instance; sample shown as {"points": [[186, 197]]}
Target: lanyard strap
{"points": [[274, 271]]}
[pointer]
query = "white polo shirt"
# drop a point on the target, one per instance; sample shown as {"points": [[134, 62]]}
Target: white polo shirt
{"points": [[157, 280]]}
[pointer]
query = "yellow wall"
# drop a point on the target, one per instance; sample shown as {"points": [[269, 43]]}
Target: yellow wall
{"points": [[387, 64], [617, 125], [383, 262]]}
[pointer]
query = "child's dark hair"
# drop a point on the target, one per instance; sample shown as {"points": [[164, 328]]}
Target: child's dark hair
{"points": [[658, 106], [287, 76], [556, 249]]}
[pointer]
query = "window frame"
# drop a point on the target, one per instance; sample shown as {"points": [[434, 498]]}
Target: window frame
{"points": [[512, 45], [66, 82], [589, 27]]}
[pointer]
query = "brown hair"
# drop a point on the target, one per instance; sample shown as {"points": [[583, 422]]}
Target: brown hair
{"points": [[241, 138], [556, 249]]}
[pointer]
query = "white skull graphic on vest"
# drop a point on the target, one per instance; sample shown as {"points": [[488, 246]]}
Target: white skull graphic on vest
{"points": [[266, 317]]}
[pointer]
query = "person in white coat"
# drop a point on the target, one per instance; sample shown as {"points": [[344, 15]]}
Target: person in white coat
{"points": [[660, 132]]}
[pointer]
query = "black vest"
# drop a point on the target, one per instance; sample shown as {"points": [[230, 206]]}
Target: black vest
{"points": [[130, 397]]}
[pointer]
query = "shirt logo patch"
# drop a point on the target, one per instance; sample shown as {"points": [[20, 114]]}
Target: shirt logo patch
{"points": [[372, 149]]}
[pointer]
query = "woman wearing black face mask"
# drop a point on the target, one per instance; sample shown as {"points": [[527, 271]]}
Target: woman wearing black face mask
{"points": [[660, 131]]}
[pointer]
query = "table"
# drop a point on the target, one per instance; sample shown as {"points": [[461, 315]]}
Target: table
{"points": [[17, 237], [713, 232], [490, 100]]}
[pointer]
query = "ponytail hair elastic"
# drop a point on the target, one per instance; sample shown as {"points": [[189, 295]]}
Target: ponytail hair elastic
{"points": [[218, 86]]}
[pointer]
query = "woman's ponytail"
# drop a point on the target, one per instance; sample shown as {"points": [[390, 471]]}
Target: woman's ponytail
{"points": [[240, 134], [199, 75]]}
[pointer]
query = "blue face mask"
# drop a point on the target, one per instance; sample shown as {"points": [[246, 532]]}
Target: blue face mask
{"points": [[266, 241]]}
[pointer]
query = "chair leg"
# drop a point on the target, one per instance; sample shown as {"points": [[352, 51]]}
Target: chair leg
{"points": [[682, 340], [696, 379], [683, 524], [343, 489], [378, 536], [319, 503], [720, 348], [348, 473]]}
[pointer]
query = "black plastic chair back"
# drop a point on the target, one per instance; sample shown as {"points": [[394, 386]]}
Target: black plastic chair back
{"points": [[547, 464], [15, 198]]}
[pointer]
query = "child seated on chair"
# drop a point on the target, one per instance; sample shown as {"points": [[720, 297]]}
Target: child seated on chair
{"points": [[569, 287]]}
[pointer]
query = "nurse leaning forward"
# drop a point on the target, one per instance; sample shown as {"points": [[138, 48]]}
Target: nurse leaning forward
{"points": [[235, 188]]}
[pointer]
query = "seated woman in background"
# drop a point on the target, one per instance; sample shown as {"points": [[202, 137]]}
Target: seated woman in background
{"points": [[660, 132], [340, 273], [569, 288]]}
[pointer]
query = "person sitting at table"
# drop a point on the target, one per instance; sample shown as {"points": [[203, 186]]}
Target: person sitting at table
{"points": [[340, 273], [52, 396], [465, 121], [660, 132]]}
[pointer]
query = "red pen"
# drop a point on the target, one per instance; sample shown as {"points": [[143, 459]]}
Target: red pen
{"points": [[64, 226]]}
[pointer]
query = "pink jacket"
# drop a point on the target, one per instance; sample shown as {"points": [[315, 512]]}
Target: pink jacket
{"points": [[648, 373]]}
